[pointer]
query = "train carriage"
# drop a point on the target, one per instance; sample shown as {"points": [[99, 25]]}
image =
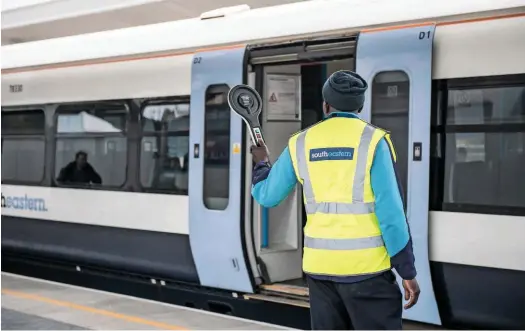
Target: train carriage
{"points": [[148, 106]]}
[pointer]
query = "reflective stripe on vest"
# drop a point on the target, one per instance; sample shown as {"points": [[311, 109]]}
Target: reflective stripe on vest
{"points": [[343, 244], [357, 207]]}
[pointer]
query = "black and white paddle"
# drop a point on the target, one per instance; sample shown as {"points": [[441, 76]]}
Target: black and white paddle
{"points": [[247, 103]]}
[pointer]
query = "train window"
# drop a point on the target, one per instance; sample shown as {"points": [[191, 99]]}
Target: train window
{"points": [[390, 111], [216, 181], [165, 146], [24, 122], [486, 105], [485, 169], [23, 146], [484, 151], [91, 145]]}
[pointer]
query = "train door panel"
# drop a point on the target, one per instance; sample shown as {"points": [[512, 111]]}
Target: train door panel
{"points": [[398, 66], [215, 181]]}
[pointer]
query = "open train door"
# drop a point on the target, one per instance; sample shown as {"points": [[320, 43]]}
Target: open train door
{"points": [[216, 177], [397, 63]]}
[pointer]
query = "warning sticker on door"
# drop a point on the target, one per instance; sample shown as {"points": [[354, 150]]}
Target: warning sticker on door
{"points": [[283, 97], [236, 149]]}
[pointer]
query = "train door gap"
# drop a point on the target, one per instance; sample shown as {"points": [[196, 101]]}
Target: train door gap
{"points": [[279, 241], [292, 101]]}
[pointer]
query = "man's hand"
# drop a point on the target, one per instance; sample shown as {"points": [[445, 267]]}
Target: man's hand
{"points": [[260, 153], [411, 292]]}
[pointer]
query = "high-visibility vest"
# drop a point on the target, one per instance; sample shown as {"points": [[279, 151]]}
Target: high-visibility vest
{"points": [[332, 160]]}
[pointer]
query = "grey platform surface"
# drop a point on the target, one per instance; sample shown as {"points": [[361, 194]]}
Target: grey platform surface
{"points": [[14, 320], [32, 304]]}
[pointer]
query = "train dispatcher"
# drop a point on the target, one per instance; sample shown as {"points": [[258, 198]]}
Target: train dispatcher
{"points": [[356, 228]]}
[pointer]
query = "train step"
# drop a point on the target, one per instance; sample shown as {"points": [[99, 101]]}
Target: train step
{"points": [[279, 299], [286, 290]]}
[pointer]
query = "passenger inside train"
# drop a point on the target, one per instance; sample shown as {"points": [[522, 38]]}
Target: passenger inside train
{"points": [[79, 171]]}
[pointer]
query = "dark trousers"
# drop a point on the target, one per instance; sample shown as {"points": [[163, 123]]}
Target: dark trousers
{"points": [[371, 304]]}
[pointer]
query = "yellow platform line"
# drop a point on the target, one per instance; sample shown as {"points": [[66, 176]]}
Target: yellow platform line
{"points": [[75, 306]]}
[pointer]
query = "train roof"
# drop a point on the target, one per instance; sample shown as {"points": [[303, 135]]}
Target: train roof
{"points": [[282, 22]]}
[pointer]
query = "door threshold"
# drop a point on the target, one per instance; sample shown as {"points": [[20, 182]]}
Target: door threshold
{"points": [[293, 291], [277, 299]]}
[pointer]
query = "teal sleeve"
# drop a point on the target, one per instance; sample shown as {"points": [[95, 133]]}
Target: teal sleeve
{"points": [[272, 184]]}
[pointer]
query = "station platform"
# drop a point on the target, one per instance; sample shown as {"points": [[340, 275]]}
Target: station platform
{"points": [[34, 304]]}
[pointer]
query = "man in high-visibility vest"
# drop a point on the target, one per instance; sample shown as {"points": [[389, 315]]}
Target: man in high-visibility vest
{"points": [[356, 228]]}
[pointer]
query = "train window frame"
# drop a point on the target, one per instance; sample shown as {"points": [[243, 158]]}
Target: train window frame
{"points": [[38, 135], [440, 128], [185, 99], [215, 87], [74, 108]]}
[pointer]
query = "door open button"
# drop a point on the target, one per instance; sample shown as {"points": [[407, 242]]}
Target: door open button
{"points": [[417, 152]]}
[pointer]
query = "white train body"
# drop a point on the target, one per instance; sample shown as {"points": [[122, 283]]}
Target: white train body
{"points": [[143, 228]]}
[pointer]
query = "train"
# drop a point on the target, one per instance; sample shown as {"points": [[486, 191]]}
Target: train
{"points": [[172, 217]]}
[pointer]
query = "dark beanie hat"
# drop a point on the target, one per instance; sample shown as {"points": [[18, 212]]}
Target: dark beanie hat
{"points": [[345, 90]]}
